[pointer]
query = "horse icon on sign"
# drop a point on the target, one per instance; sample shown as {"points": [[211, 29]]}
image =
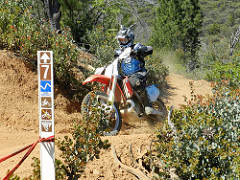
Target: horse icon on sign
{"points": [[46, 86]]}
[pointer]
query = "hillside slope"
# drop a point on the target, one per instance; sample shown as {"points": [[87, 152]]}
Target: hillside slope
{"points": [[19, 120]]}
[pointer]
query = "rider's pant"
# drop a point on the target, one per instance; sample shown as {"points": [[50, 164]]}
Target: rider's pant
{"points": [[138, 83]]}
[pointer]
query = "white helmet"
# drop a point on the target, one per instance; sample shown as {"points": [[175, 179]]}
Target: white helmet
{"points": [[125, 37]]}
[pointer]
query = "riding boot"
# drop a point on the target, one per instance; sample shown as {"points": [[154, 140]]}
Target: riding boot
{"points": [[149, 107], [147, 103]]}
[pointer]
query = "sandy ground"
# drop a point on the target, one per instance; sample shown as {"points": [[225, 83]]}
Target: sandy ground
{"points": [[19, 120]]}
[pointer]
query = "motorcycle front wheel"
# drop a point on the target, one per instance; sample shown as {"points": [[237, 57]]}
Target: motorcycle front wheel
{"points": [[108, 116]]}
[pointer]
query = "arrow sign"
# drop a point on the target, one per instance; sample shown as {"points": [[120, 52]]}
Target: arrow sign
{"points": [[45, 58]]}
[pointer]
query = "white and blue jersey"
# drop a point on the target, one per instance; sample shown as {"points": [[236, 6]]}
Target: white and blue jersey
{"points": [[134, 63]]}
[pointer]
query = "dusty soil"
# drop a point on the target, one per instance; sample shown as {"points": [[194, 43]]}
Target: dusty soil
{"points": [[19, 120]]}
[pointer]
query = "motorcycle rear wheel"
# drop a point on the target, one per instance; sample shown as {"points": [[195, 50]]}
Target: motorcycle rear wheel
{"points": [[110, 121]]}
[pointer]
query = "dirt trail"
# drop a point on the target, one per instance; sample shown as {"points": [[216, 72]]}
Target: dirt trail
{"points": [[19, 120], [180, 88]]}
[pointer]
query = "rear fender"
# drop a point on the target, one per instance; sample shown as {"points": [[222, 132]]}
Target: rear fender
{"points": [[103, 79]]}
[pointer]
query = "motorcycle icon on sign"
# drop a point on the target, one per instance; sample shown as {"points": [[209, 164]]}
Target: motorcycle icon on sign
{"points": [[46, 114]]}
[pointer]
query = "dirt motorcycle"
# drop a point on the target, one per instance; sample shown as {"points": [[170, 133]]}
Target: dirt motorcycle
{"points": [[117, 97]]}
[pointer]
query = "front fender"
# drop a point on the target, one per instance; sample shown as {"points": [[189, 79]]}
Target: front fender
{"points": [[103, 79], [97, 78]]}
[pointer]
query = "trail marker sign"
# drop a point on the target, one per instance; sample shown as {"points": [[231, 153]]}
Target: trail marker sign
{"points": [[46, 113]]}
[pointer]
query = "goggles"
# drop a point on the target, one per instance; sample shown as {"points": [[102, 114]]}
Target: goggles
{"points": [[123, 40]]}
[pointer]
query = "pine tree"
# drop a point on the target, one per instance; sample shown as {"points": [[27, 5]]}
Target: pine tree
{"points": [[177, 25]]}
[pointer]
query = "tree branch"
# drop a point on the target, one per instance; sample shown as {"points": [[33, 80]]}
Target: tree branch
{"points": [[139, 174]]}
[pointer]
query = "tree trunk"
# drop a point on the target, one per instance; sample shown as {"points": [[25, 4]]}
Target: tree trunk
{"points": [[234, 40]]}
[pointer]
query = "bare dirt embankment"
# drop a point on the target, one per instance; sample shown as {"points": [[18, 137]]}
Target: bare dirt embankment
{"points": [[19, 120]]}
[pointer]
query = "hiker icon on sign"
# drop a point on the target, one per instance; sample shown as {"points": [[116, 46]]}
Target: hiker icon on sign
{"points": [[45, 86]]}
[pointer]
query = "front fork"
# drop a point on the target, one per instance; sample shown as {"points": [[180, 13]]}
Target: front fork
{"points": [[112, 90]]}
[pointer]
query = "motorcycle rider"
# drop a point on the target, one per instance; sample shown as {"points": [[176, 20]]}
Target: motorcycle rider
{"points": [[134, 67]]}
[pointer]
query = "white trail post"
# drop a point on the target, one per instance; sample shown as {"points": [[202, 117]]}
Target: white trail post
{"points": [[46, 113]]}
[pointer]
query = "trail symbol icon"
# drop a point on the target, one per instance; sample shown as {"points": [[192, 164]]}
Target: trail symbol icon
{"points": [[45, 86], [45, 58]]}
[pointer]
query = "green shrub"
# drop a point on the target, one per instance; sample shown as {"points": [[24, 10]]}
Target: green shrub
{"points": [[206, 143], [60, 172], [25, 34], [84, 145], [226, 71], [157, 71]]}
